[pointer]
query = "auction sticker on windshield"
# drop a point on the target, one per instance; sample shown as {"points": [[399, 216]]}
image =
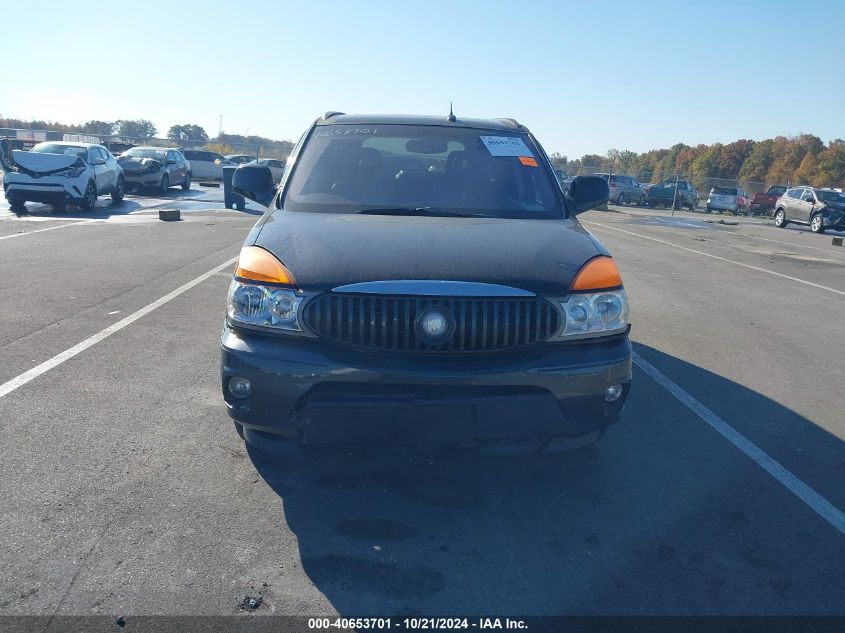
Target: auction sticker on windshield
{"points": [[505, 146]]}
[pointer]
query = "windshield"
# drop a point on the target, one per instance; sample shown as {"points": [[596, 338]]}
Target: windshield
{"points": [[144, 152], [830, 196], [349, 169], [60, 148], [724, 191]]}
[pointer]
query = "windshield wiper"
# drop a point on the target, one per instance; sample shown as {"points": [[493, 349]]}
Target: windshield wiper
{"points": [[428, 211]]}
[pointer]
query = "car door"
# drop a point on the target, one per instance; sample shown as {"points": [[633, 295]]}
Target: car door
{"points": [[802, 205], [218, 161], [174, 171], [788, 200], [183, 163], [638, 190], [199, 164], [793, 203], [111, 170], [98, 166]]}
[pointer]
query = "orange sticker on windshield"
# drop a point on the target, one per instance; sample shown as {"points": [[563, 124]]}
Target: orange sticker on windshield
{"points": [[528, 161]]}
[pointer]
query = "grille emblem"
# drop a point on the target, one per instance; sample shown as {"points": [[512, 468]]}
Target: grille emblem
{"points": [[435, 325]]}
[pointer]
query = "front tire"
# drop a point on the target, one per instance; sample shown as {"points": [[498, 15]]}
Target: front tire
{"points": [[187, 182], [642, 201], [165, 183], [119, 191], [90, 198], [17, 206], [780, 219], [817, 223]]}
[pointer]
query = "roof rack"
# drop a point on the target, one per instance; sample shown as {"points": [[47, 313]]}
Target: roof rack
{"points": [[331, 113]]}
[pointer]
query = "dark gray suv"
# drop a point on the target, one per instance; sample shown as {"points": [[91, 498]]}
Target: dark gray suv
{"points": [[419, 281]]}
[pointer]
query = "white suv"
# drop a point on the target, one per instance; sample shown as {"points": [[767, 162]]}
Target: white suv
{"points": [[61, 173]]}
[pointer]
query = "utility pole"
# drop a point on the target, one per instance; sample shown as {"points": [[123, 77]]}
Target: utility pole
{"points": [[220, 127], [675, 197]]}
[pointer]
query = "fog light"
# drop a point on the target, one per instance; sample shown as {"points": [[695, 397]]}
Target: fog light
{"points": [[240, 387], [611, 394]]}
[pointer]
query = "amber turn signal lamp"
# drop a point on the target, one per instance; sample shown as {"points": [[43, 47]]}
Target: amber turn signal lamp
{"points": [[600, 273], [256, 264]]}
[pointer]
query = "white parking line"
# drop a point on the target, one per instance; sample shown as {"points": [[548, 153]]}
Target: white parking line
{"points": [[810, 497], [721, 259], [841, 251], [9, 386], [49, 228]]}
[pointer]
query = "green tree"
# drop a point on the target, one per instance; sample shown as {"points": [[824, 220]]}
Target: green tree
{"points": [[140, 128], [100, 128], [759, 161], [187, 132]]}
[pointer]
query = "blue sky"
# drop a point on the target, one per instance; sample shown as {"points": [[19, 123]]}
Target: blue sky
{"points": [[584, 76]]}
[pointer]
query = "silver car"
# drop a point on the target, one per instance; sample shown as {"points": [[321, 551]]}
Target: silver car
{"points": [[276, 165], [624, 189], [733, 199], [155, 167], [206, 164], [240, 159]]}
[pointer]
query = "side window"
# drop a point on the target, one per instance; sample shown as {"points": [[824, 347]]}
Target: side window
{"points": [[171, 155], [795, 194], [103, 153], [807, 196]]}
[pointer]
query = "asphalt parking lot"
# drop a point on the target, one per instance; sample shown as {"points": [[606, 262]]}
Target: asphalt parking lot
{"points": [[125, 489]]}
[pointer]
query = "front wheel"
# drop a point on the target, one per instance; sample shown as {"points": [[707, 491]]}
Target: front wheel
{"points": [[90, 198], [780, 219], [642, 201], [119, 191], [186, 184], [165, 183], [17, 206], [817, 223]]}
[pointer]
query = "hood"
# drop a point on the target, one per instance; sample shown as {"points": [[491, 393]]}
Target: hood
{"points": [[42, 164], [836, 206], [324, 250], [131, 163]]}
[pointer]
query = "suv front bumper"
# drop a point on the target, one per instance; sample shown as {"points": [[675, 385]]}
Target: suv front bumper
{"points": [[317, 394], [48, 189]]}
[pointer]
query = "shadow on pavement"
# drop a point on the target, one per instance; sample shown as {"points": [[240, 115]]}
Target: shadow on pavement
{"points": [[663, 516]]}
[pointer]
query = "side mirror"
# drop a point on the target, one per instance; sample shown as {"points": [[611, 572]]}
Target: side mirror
{"points": [[588, 192], [255, 182]]}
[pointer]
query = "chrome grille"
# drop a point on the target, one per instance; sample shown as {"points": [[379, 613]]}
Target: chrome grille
{"points": [[388, 323]]}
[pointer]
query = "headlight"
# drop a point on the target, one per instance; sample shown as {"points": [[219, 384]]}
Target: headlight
{"points": [[595, 314], [264, 306], [74, 171]]}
